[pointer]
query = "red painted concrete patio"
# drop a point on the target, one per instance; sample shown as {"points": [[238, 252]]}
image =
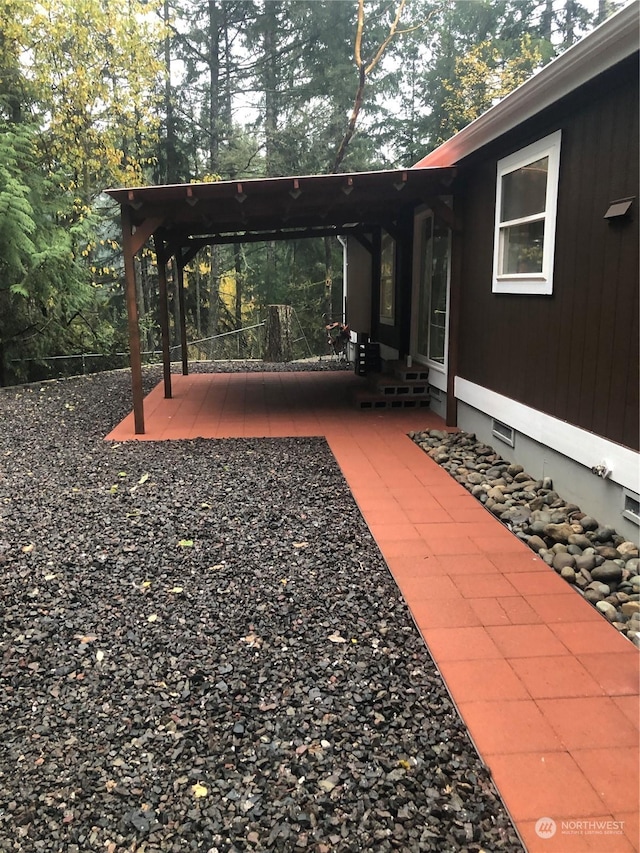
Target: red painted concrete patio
{"points": [[548, 690]]}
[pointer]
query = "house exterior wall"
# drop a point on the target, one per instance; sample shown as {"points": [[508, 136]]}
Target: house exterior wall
{"points": [[574, 354]]}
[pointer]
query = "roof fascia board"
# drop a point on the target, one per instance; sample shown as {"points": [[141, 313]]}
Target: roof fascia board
{"points": [[612, 42]]}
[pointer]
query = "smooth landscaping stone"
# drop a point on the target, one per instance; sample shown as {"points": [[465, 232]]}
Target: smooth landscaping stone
{"points": [[561, 561], [607, 572], [536, 543], [586, 561], [606, 608], [568, 574], [562, 535]]}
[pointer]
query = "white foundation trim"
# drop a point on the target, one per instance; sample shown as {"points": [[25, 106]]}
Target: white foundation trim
{"points": [[587, 448]]}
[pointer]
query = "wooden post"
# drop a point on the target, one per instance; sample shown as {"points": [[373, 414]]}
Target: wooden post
{"points": [[132, 315], [278, 339], [404, 270], [454, 325], [183, 319], [164, 315]]}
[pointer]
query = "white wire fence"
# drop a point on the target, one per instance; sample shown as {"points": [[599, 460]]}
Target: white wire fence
{"points": [[239, 344]]}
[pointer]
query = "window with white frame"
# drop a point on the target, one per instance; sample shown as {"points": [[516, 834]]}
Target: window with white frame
{"points": [[387, 279], [526, 202]]}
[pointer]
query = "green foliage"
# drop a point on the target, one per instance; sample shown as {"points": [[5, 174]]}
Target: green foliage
{"points": [[96, 94]]}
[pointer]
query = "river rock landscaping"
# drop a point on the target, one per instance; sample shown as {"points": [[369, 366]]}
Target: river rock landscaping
{"points": [[203, 650], [600, 563]]}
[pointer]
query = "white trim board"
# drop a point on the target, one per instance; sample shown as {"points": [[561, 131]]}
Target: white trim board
{"points": [[576, 443]]}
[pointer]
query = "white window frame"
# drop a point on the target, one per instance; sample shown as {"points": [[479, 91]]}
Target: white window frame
{"points": [[529, 283]]}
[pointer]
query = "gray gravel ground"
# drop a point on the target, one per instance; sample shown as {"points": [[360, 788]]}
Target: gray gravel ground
{"points": [[202, 650]]}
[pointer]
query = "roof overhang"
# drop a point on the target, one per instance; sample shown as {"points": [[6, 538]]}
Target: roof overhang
{"points": [[606, 46], [192, 215]]}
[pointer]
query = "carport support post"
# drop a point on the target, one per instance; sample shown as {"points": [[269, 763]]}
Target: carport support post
{"points": [[164, 316], [132, 315], [455, 288], [183, 319]]}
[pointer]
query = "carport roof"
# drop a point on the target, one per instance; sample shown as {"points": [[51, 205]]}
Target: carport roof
{"points": [[279, 208]]}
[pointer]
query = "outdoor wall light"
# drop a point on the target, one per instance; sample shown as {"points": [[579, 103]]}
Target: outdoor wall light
{"points": [[620, 209], [348, 187], [296, 192], [401, 183], [240, 196], [136, 205]]}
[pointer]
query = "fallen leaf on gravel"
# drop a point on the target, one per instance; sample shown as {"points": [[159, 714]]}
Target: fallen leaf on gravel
{"points": [[113, 489], [99, 655], [145, 584], [110, 784], [336, 638], [153, 618], [252, 640], [49, 577], [27, 549], [186, 543], [205, 505], [217, 567], [329, 783], [85, 638], [143, 479], [300, 544], [122, 474], [177, 590], [199, 791]]}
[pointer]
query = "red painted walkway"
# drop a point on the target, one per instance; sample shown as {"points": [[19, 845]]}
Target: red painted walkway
{"points": [[548, 689]]}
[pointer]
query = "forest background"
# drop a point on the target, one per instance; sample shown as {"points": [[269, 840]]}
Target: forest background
{"points": [[96, 94]]}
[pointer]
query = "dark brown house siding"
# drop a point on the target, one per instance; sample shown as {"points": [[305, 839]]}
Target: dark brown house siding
{"points": [[573, 355]]}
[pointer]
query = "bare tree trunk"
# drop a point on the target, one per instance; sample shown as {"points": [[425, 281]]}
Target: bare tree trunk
{"points": [[170, 151], [328, 279], [270, 83], [237, 255], [546, 21], [214, 91], [569, 23], [278, 342], [214, 291]]}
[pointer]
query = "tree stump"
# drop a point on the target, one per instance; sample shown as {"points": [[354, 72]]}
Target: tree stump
{"points": [[278, 337]]}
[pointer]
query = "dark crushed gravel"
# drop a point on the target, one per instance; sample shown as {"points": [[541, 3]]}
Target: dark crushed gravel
{"points": [[202, 650]]}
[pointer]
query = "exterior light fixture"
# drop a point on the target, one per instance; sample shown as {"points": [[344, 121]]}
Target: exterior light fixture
{"points": [[348, 187], [620, 209], [296, 192], [131, 197], [240, 196], [401, 183]]}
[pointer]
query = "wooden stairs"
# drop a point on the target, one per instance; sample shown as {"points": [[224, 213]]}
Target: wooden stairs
{"points": [[396, 387]]}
